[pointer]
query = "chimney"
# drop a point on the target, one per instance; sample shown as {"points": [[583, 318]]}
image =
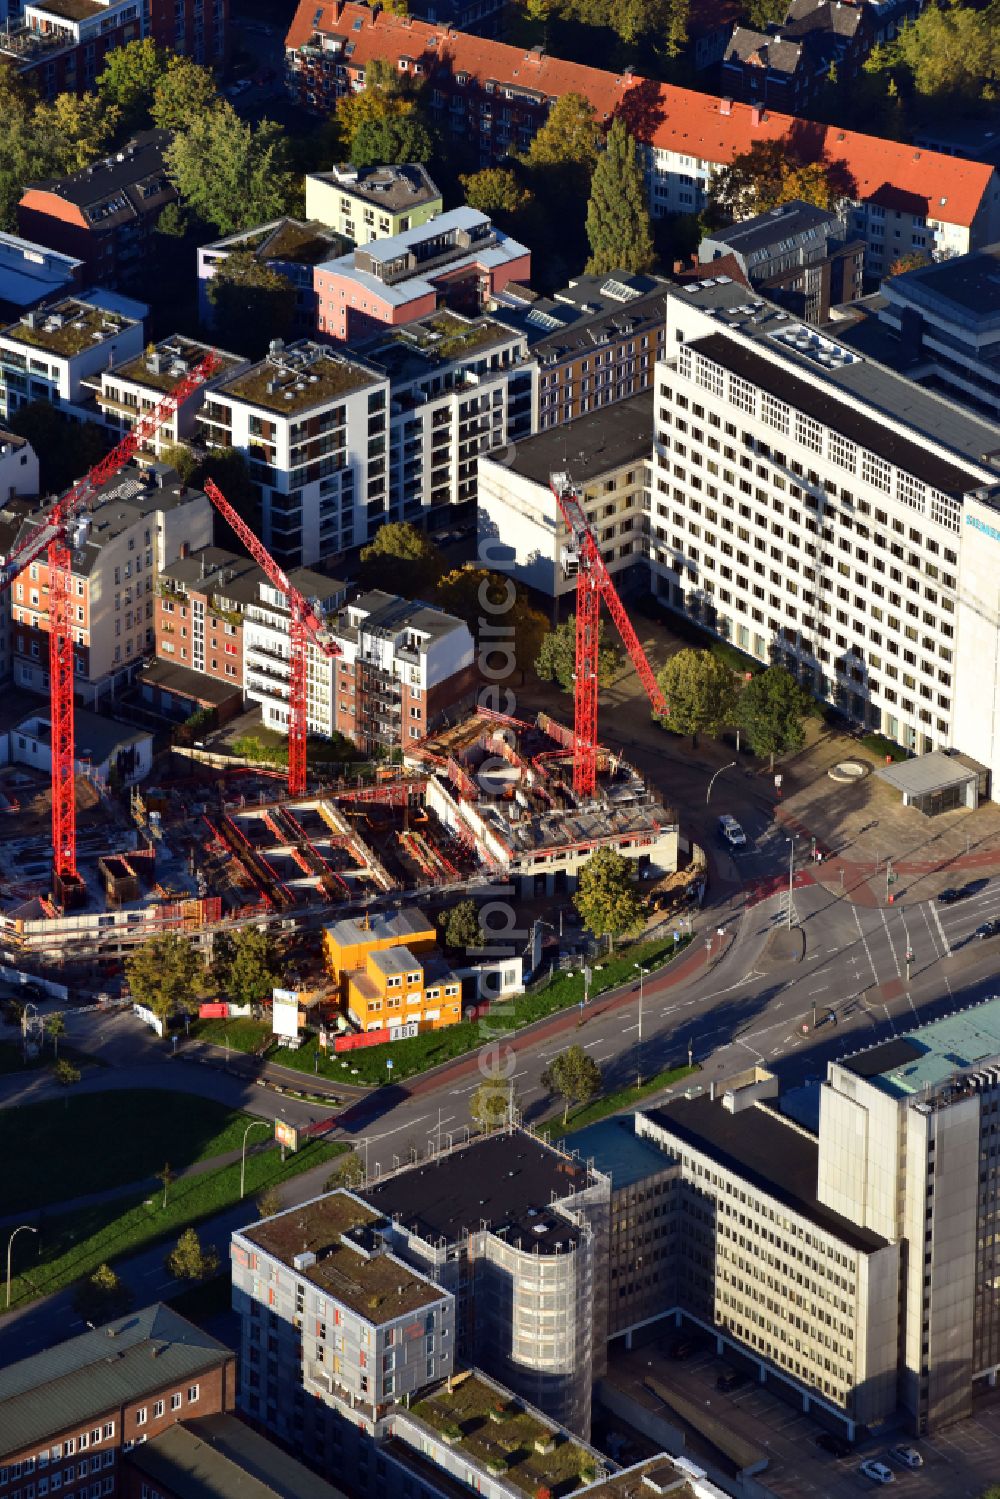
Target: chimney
{"points": [[185, 548], [725, 106], [758, 114]]}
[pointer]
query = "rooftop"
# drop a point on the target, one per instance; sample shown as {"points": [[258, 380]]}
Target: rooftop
{"points": [[162, 366], [299, 378], [665, 1478], [66, 1385], [393, 188], [69, 326], [590, 311], [893, 173], [387, 615], [293, 241], [199, 686], [931, 1056], [97, 737], [69, 10], [616, 1149], [593, 445], [777, 1157], [926, 773], [330, 1234], [397, 925], [418, 348], [506, 1181], [219, 1457], [768, 231], [968, 285], [469, 1404], [30, 272], [134, 174]]}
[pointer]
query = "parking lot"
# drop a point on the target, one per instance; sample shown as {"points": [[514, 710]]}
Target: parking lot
{"points": [[960, 1462]]}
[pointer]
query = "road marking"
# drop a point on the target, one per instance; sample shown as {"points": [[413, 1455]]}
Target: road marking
{"points": [[821, 990], [864, 940], [410, 1124], [944, 940], [589, 1045], [627, 1028], [456, 1092], [930, 931], [892, 945], [605, 1057]]}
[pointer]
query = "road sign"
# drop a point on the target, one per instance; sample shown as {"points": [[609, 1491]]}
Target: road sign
{"points": [[388, 1063]]}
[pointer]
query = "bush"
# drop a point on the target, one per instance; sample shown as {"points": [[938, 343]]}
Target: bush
{"points": [[879, 745]]}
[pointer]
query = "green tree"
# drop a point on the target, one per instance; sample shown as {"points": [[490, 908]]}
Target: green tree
{"points": [[172, 222], [166, 975], [700, 692], [188, 1260], [570, 136], [574, 1075], [232, 174], [250, 301], [349, 1172], [269, 1202], [762, 13], [678, 17], [401, 559], [386, 93], [482, 597], [491, 1104], [392, 140], [460, 925], [246, 965], [771, 711], [66, 449], [128, 81], [166, 1176], [77, 129], [556, 661], [66, 1075], [179, 457], [771, 173], [102, 1296], [55, 1026], [951, 52], [185, 89], [496, 191], [618, 223], [606, 895]]}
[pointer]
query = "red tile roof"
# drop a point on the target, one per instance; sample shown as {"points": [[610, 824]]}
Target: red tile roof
{"points": [[887, 172]]}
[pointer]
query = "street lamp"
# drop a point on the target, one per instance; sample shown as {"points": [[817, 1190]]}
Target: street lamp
{"points": [[712, 782], [10, 1244], [791, 876], [254, 1124], [638, 1059]]}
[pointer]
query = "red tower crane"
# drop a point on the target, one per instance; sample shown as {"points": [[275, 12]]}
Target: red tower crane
{"points": [[593, 583], [306, 626], [55, 536]]}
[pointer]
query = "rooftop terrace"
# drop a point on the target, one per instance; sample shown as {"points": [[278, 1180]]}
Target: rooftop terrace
{"points": [[173, 358], [331, 1230]]}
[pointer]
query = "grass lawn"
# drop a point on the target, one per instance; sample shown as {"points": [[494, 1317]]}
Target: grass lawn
{"points": [[89, 1142], [416, 1055], [12, 1058], [613, 1103], [244, 1034], [74, 1244]]}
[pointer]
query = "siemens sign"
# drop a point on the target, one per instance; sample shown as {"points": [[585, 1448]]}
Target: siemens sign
{"points": [[980, 525]]}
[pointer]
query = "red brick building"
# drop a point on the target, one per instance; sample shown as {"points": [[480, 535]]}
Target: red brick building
{"points": [[68, 1414]]}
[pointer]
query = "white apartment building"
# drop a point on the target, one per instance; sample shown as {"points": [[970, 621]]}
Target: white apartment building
{"points": [[366, 203], [142, 520], [814, 507], [459, 387], [131, 388], [48, 354], [519, 520], [313, 426], [267, 669]]}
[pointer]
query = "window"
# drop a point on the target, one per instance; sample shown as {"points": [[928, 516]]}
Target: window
{"points": [[193, 1393], [175, 1401], [809, 432], [157, 1409], [140, 1416]]}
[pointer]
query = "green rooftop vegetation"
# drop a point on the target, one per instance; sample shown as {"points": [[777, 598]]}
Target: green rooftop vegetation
{"points": [[69, 328], [299, 385], [497, 1433]]}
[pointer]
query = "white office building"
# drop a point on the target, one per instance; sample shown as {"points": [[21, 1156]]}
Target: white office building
{"points": [[814, 507]]}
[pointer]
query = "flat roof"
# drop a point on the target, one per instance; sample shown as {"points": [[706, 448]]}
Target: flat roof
{"points": [[416, 349], [618, 1151], [186, 682], [766, 230], [971, 282], [96, 737], [299, 378], [220, 1457], [407, 922], [161, 367], [777, 1157], [65, 1386], [931, 1055], [69, 326], [591, 445], [504, 1180], [367, 1278], [393, 188], [926, 773]]}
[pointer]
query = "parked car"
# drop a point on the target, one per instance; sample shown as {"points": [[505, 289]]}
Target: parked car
{"points": [[908, 1456], [876, 1471], [988, 929], [731, 1379], [836, 1446], [730, 832], [948, 895]]}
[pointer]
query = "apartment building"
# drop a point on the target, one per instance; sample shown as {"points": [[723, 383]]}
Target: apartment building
{"points": [[333, 1322], [814, 507], [798, 255], [313, 426], [14, 511], [519, 519], [130, 388], [267, 653], [69, 1415], [459, 387], [31, 273], [517, 1231], [596, 341], [458, 257], [198, 614], [290, 247], [142, 520], [48, 354], [403, 666], [752, 1252], [940, 325], [789, 62], [499, 95], [198, 29], [908, 1147], [391, 976], [104, 214], [379, 202], [61, 48]]}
